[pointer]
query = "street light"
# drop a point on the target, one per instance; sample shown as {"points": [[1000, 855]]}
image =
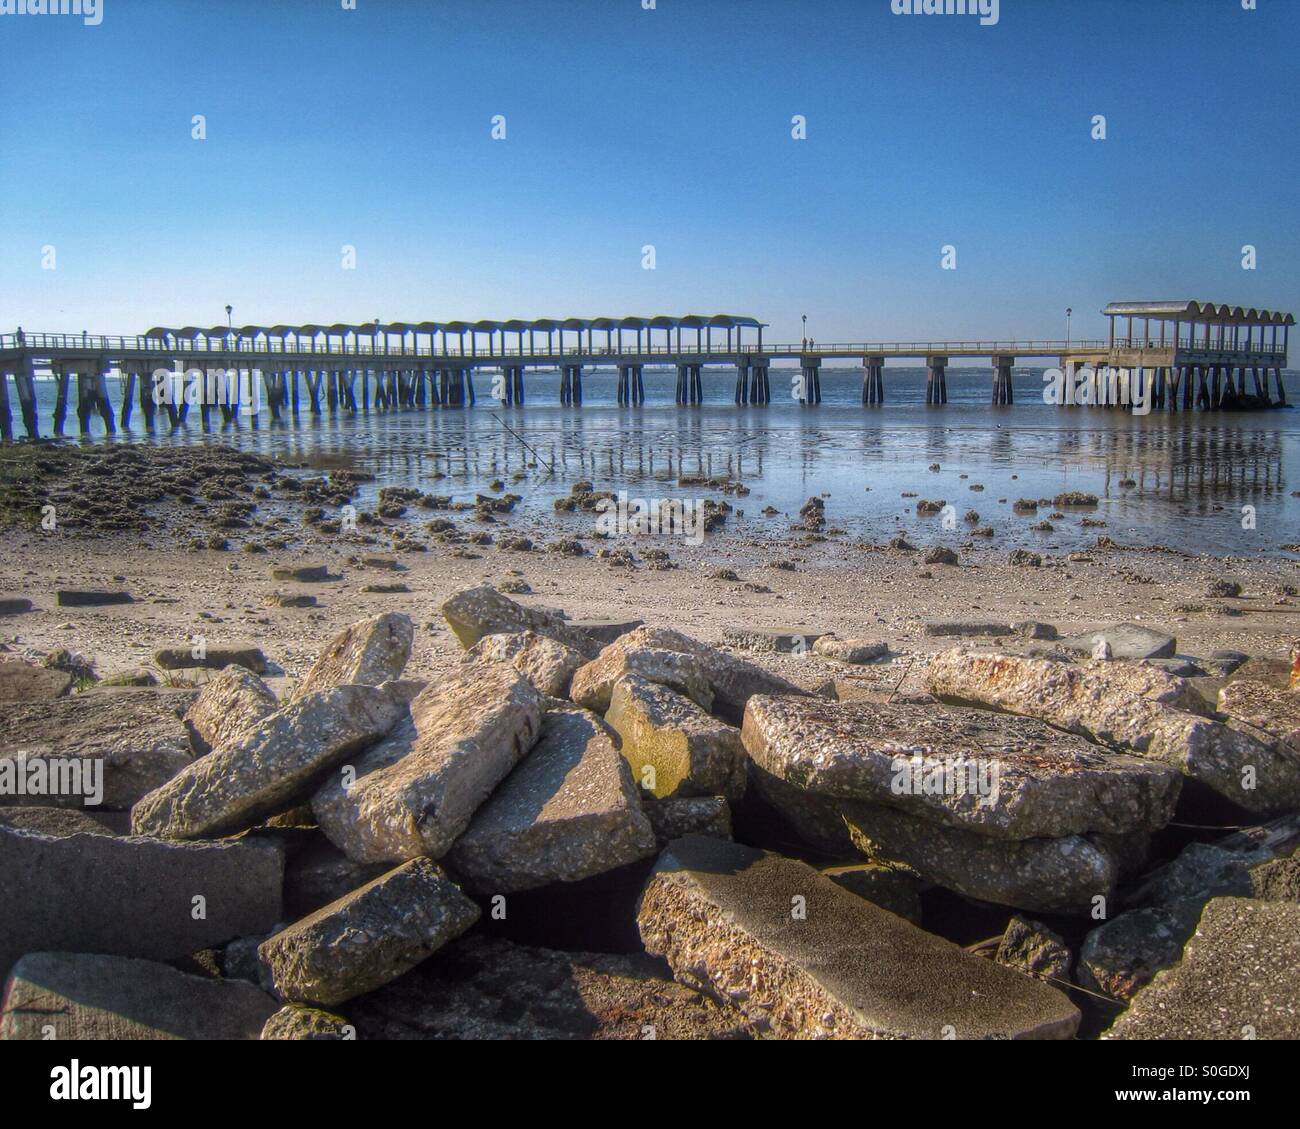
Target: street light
{"points": [[229, 324], [805, 331], [1068, 312]]}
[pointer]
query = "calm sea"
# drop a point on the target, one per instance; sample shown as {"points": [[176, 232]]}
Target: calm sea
{"points": [[1209, 482]]}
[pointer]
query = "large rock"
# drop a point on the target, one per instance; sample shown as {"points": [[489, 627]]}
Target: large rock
{"points": [[593, 685], [894, 888], [1124, 641], [487, 988], [673, 746], [417, 790], [27, 682], [1273, 710], [569, 811], [1003, 776], [369, 937], [319, 873], [476, 612], [76, 996], [688, 815], [733, 681], [790, 948], [547, 663], [294, 1022], [137, 736], [370, 652], [275, 765], [1237, 979], [1126, 706], [1044, 875], [1032, 948], [211, 658], [855, 651], [132, 897], [1123, 955], [230, 706]]}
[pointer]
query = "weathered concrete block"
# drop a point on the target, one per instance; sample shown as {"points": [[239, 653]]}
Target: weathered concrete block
{"points": [[771, 640], [417, 790], [1237, 979], [1128, 706], [569, 811], [999, 775], [212, 658], [476, 612], [229, 706], [306, 1023], [90, 598], [80, 996], [855, 651], [14, 605], [789, 947], [1032, 948], [593, 684], [688, 815], [132, 897], [603, 632], [26, 682], [674, 747], [136, 735], [320, 873], [895, 889], [276, 764], [547, 663], [370, 937], [1124, 641], [370, 652], [1273, 710]]}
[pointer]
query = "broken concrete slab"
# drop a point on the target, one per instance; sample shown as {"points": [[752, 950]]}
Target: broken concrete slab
{"points": [[688, 815], [370, 652], [369, 937], [229, 706], [417, 790], [476, 612], [307, 1023], [487, 988], [1274, 711], [593, 684], [1034, 949], [1041, 875], [603, 632], [132, 897], [26, 682], [1122, 956], [90, 598], [858, 652], [771, 640], [673, 746], [1124, 641], [275, 765], [568, 811], [137, 736], [892, 888], [14, 605], [1236, 979], [304, 574], [941, 628], [319, 873], [210, 658], [733, 680], [547, 663], [1131, 707], [81, 996], [789, 948], [992, 773]]}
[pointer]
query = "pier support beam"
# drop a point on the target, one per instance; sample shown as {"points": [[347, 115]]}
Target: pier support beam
{"points": [[936, 382], [25, 383], [1281, 389], [760, 387], [631, 387], [1003, 392], [873, 380], [742, 383], [6, 417], [690, 385], [810, 384]]}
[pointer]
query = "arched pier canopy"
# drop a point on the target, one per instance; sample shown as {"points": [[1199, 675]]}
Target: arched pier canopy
{"points": [[1197, 327]]}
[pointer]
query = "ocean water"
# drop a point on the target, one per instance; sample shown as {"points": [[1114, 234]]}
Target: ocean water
{"points": [[1207, 482]]}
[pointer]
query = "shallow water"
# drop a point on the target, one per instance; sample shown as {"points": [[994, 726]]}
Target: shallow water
{"points": [[1192, 473]]}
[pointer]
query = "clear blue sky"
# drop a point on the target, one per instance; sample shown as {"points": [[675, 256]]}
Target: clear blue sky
{"points": [[628, 127]]}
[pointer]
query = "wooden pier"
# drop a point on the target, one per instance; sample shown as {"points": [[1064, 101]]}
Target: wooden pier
{"points": [[1186, 354]]}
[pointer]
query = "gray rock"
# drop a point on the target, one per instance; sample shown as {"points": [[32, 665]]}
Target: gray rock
{"points": [[212, 658], [229, 706], [568, 812], [307, 1023], [688, 815], [603, 632], [320, 873], [277, 763], [304, 574], [1123, 955], [89, 598], [1274, 711], [1237, 979], [547, 663], [26, 682], [417, 790], [1034, 629], [991, 773], [1126, 641], [771, 640], [1041, 875], [1220, 664], [674, 747], [71, 997], [53, 821], [1032, 948], [476, 612], [1178, 666], [14, 605], [370, 937], [370, 652], [132, 897], [136, 735], [593, 684], [1131, 707], [939, 628], [890, 887], [798, 953], [856, 651]]}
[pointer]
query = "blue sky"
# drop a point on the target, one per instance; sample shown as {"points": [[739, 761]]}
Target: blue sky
{"points": [[372, 127]]}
